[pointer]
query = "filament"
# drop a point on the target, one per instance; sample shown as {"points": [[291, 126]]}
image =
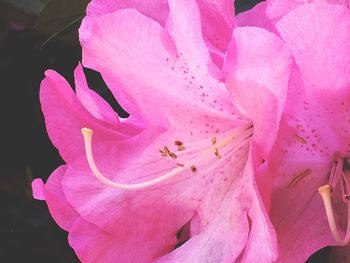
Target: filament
{"points": [[325, 192], [87, 133]]}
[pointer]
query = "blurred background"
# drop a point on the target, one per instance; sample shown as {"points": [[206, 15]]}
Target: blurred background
{"points": [[36, 35]]}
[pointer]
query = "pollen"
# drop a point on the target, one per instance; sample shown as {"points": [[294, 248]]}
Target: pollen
{"points": [[300, 139], [178, 143], [172, 155], [162, 153], [193, 169], [181, 148], [299, 177], [217, 153]]}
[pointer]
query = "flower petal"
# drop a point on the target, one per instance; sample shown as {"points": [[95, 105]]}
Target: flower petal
{"points": [[236, 226], [323, 57], [96, 105], [52, 193], [256, 17], [92, 244], [276, 9], [154, 9], [186, 30], [257, 78], [141, 57], [65, 116]]}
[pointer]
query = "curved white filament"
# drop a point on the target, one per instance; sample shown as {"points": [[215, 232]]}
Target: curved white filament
{"points": [[87, 133], [325, 192]]}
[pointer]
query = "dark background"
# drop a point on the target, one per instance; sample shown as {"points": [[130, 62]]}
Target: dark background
{"points": [[27, 232]]}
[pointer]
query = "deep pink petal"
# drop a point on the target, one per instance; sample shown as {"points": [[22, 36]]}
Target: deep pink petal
{"points": [[65, 116], [52, 193], [37, 188], [257, 78], [96, 105]]}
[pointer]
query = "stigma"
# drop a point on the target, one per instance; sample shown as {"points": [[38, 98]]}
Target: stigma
{"points": [[338, 177]]}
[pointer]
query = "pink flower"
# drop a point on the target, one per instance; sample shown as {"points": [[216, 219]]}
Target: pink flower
{"points": [[311, 154], [175, 182]]}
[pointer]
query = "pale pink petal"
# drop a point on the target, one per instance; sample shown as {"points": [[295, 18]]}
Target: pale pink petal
{"points": [[320, 44], [256, 17], [322, 55], [217, 20], [154, 9], [276, 9], [186, 30], [96, 105], [258, 78], [219, 238], [165, 91]]}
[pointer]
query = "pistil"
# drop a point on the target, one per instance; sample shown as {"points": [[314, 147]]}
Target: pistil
{"points": [[190, 162], [337, 175]]}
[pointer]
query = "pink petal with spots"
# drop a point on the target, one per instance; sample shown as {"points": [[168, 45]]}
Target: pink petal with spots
{"points": [[313, 129], [177, 85]]}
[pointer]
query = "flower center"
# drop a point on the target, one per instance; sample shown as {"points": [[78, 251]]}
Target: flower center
{"points": [[339, 175], [185, 156]]}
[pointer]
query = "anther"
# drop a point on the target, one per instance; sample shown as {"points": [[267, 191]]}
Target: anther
{"points": [[193, 169], [181, 148], [178, 143], [217, 153], [213, 140]]}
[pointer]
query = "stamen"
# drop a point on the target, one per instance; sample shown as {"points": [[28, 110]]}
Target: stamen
{"points": [[87, 133], [213, 140], [325, 192]]}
